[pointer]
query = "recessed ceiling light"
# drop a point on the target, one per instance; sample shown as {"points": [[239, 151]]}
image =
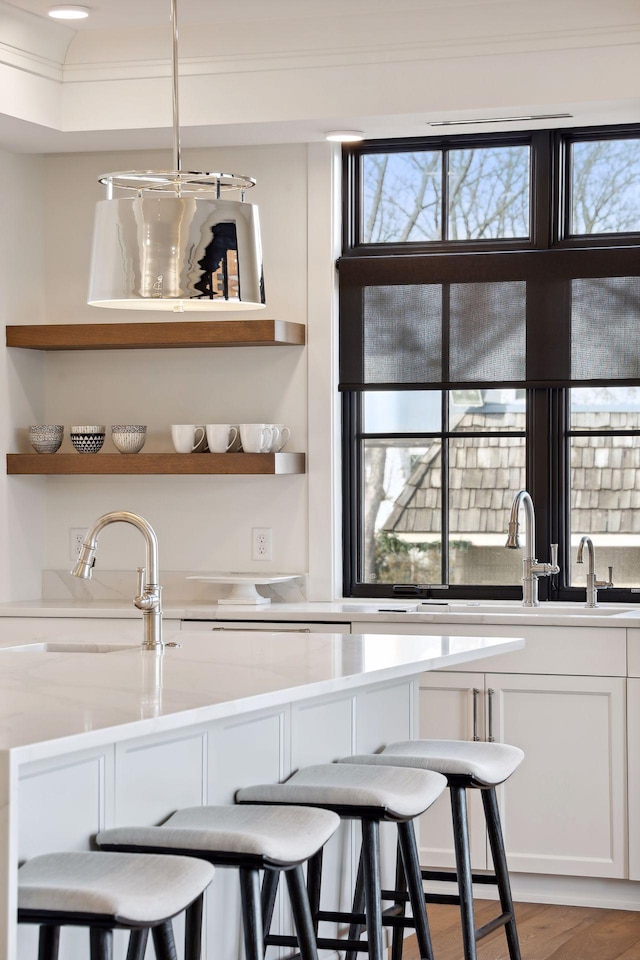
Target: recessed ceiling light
{"points": [[344, 136], [462, 123], [68, 12]]}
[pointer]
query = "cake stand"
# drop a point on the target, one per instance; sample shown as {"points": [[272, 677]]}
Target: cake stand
{"points": [[244, 586]]}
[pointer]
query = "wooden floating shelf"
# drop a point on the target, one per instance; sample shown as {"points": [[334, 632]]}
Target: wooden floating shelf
{"points": [[146, 464], [145, 336]]}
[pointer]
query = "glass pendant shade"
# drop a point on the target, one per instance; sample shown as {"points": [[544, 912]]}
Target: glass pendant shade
{"points": [[176, 253]]}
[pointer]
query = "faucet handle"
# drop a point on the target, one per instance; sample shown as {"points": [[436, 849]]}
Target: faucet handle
{"points": [[554, 554], [141, 581]]}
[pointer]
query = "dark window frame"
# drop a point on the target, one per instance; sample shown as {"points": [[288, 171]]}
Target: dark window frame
{"points": [[548, 426]]}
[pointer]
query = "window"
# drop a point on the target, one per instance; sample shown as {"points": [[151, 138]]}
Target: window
{"points": [[489, 342]]}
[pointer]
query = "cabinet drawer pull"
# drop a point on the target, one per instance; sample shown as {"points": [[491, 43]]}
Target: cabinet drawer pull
{"points": [[260, 630], [476, 694], [490, 694]]}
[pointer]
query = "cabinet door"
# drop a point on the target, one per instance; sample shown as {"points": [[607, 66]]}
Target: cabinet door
{"points": [[448, 703], [633, 747], [563, 810]]}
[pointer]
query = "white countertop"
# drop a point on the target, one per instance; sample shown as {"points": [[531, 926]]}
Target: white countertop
{"points": [[345, 611], [81, 699]]}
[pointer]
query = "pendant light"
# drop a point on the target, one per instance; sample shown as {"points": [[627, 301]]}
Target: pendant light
{"points": [[166, 240]]}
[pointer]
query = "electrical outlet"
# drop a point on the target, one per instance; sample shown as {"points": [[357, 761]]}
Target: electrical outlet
{"points": [[76, 539], [261, 543]]}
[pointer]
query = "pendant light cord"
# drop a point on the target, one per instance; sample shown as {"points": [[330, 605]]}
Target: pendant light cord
{"points": [[174, 77]]}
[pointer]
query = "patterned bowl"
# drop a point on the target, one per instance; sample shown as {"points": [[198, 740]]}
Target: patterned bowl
{"points": [[87, 439], [46, 438], [129, 438]]}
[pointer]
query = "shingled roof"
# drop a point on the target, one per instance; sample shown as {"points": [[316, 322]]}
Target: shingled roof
{"points": [[486, 472]]}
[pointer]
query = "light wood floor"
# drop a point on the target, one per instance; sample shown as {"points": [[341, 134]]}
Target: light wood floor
{"points": [[546, 933]]}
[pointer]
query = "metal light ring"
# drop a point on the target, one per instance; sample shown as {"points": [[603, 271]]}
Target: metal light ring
{"points": [[186, 181]]}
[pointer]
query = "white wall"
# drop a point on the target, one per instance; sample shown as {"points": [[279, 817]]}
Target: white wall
{"points": [[22, 526], [203, 523]]}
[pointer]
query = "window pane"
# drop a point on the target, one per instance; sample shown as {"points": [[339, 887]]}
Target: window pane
{"points": [[489, 193], [487, 410], [605, 186], [401, 197], [400, 411], [605, 408], [485, 474], [605, 505], [402, 513]]}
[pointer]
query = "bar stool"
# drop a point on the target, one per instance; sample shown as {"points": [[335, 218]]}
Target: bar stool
{"points": [[250, 839], [107, 892], [370, 795], [466, 765]]}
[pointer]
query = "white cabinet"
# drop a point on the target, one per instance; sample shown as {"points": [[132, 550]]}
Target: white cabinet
{"points": [[563, 810], [633, 740], [563, 701]]}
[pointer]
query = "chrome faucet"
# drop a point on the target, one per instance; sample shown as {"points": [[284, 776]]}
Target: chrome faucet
{"points": [[531, 569], [149, 590], [592, 583]]}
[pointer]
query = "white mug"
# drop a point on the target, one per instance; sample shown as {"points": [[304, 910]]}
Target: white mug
{"points": [[256, 437], [280, 436], [185, 436], [221, 437]]}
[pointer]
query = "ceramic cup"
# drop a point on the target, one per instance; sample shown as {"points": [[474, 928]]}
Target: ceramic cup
{"points": [[186, 436], [280, 436], [128, 438], [221, 436], [46, 438], [256, 437], [87, 438]]}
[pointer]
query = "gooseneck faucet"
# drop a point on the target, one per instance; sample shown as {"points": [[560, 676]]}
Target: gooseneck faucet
{"points": [[592, 582], [149, 590], [531, 569]]}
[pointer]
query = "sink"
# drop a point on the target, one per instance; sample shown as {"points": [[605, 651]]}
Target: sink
{"points": [[55, 647], [544, 610]]}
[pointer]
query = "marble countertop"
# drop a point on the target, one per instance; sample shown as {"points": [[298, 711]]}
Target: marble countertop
{"points": [[345, 611], [74, 699]]}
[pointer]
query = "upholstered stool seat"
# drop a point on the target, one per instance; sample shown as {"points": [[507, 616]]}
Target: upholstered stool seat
{"points": [[486, 764], [107, 891], [251, 838], [466, 764], [370, 795]]}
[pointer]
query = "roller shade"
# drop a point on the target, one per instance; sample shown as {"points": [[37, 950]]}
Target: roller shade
{"points": [[538, 318]]}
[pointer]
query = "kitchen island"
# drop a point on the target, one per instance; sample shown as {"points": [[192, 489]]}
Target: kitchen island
{"points": [[97, 734]]}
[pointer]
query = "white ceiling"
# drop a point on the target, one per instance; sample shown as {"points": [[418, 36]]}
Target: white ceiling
{"points": [[268, 71]]}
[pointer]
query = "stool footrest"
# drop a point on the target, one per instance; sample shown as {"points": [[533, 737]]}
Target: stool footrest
{"points": [[452, 876], [492, 925], [324, 943], [388, 918]]}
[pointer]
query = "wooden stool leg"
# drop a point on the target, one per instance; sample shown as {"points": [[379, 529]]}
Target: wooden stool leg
{"points": [[463, 869], [137, 944], [268, 898], [163, 942], [314, 884], [101, 944], [372, 887], [48, 943], [193, 929], [411, 862], [251, 914], [356, 929], [496, 842], [301, 914], [400, 886]]}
